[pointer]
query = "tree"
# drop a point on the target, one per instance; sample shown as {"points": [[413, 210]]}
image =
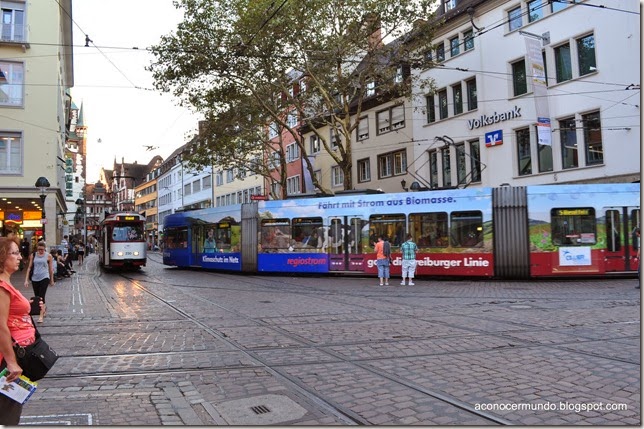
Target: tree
{"points": [[256, 55]]}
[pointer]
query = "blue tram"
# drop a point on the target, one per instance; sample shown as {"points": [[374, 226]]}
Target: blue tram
{"points": [[504, 232]]}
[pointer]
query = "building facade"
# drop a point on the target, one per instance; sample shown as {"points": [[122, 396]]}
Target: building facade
{"points": [[531, 92], [34, 122]]}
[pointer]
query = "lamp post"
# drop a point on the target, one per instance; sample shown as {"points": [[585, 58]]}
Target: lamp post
{"points": [[42, 183]]}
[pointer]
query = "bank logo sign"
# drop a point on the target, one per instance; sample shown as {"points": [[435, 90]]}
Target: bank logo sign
{"points": [[494, 138]]}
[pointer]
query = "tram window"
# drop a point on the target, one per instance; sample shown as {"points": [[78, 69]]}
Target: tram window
{"points": [[276, 234], [391, 226], [467, 229], [613, 228], [635, 226], [176, 238], [124, 232], [307, 232], [573, 226], [429, 229]]}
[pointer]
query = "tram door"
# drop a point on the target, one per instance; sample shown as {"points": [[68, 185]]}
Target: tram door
{"points": [[345, 243], [621, 241]]}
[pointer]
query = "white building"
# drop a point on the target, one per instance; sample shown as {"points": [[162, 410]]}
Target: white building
{"points": [[486, 102]]}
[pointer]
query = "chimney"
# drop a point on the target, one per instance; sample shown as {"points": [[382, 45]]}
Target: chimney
{"points": [[372, 22]]}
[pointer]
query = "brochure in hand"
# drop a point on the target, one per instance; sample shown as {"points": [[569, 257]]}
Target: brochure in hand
{"points": [[19, 390]]}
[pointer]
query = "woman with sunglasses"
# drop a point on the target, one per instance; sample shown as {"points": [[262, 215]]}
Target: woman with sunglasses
{"points": [[42, 275], [15, 325]]}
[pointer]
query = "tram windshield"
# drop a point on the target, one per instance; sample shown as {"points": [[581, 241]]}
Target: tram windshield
{"points": [[127, 232]]}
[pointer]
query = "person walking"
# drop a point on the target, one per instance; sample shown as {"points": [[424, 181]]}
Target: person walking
{"points": [[383, 253], [15, 325], [408, 249], [639, 261], [42, 275]]}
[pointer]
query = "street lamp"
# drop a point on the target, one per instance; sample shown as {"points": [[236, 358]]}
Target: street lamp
{"points": [[42, 183]]}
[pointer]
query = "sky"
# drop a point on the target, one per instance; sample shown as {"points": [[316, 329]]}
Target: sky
{"points": [[120, 119]]}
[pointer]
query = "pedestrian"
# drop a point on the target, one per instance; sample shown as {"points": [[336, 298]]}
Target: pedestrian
{"points": [[64, 243], [408, 249], [42, 275], [80, 252], [15, 325], [383, 255]]}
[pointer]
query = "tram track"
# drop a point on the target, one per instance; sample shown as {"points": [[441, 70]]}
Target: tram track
{"points": [[362, 363], [145, 281]]}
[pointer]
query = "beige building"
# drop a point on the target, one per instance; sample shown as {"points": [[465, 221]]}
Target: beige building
{"points": [[34, 114]]}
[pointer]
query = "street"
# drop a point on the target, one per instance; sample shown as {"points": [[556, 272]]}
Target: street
{"points": [[164, 346]]}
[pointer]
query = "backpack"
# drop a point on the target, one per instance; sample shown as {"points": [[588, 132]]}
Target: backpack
{"points": [[386, 249]]}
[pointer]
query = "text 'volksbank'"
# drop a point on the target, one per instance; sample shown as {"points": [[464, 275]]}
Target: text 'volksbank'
{"points": [[493, 119]]}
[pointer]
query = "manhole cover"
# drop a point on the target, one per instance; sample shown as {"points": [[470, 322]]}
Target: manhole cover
{"points": [[260, 410]]}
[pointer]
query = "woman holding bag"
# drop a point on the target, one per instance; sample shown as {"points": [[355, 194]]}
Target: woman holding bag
{"points": [[15, 323]]}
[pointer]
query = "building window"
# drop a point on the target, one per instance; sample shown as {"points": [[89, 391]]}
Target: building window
{"points": [[454, 47], [593, 138], [586, 54], [449, 5], [230, 175], [276, 161], [291, 119], [11, 87], [292, 152], [364, 170], [556, 6], [11, 153], [431, 109], [293, 185], [363, 128], [442, 103], [472, 101], [461, 163], [440, 52], [563, 65], [535, 10], [514, 18], [457, 96], [272, 130], [207, 182], [447, 167], [523, 151], [545, 156], [390, 119], [519, 82], [433, 169], [468, 37], [398, 78], [392, 164], [186, 189], [314, 144], [335, 137], [196, 186], [13, 23], [371, 89], [475, 160], [337, 176], [398, 117], [568, 137]]}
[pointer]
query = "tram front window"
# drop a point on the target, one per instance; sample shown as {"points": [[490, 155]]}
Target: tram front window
{"points": [[127, 233]]}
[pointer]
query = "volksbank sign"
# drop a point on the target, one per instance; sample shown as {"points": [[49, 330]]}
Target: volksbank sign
{"points": [[486, 120]]}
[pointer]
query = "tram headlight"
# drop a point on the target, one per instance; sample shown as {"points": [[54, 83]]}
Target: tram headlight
{"points": [[119, 253], [135, 253]]}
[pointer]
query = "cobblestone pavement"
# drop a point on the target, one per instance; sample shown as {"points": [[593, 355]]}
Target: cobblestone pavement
{"points": [[178, 347]]}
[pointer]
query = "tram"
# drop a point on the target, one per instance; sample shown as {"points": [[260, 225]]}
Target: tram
{"points": [[121, 241], [505, 232]]}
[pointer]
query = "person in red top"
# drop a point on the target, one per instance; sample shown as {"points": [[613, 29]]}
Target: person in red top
{"points": [[15, 323], [382, 260]]}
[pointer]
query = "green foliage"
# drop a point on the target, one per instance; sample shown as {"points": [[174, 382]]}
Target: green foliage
{"points": [[236, 62]]}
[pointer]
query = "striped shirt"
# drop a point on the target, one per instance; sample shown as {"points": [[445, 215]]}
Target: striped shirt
{"points": [[408, 249]]}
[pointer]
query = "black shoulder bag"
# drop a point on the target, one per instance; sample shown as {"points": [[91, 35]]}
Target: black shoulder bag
{"points": [[35, 359]]}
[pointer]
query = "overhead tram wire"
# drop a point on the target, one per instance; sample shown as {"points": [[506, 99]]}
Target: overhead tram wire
{"points": [[88, 40]]}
